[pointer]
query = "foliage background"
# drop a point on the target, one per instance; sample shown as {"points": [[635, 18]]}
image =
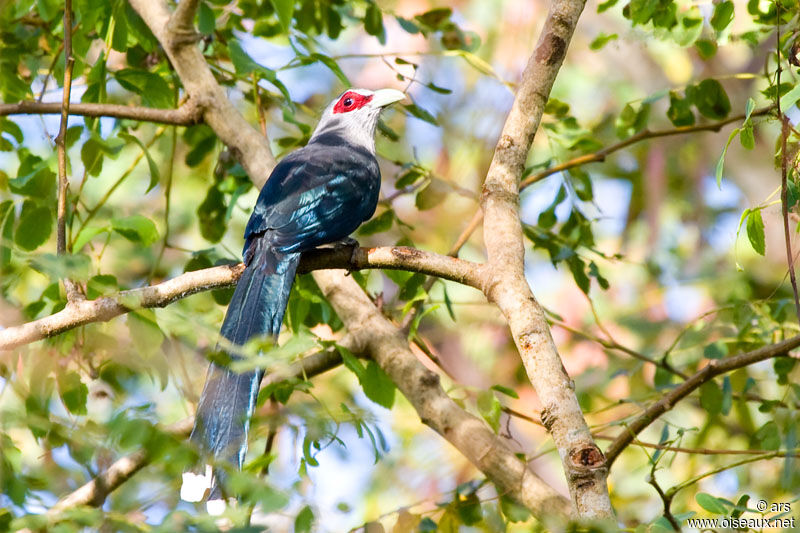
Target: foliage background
{"points": [[640, 251]]}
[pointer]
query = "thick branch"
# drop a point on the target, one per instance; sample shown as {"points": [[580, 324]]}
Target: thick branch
{"points": [[714, 368], [584, 464], [248, 145], [80, 313], [386, 344], [185, 115]]}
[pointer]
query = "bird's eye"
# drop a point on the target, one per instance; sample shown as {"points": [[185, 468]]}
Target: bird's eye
{"points": [[348, 102]]}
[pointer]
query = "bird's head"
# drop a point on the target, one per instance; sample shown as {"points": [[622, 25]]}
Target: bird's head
{"points": [[353, 116]]}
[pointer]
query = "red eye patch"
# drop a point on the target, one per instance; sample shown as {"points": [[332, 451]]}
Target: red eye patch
{"points": [[351, 101]]}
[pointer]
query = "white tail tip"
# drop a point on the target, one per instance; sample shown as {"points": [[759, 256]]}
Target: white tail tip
{"points": [[195, 487], [215, 507]]}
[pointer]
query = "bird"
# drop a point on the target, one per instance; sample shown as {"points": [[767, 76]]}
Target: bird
{"points": [[316, 195]]}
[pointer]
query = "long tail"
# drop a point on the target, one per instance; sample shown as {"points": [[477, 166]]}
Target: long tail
{"points": [[228, 399]]}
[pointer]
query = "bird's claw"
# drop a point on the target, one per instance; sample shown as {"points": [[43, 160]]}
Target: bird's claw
{"points": [[349, 242]]}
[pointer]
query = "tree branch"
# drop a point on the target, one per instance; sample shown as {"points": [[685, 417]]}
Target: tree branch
{"points": [[71, 288], [185, 115], [715, 367], [600, 155], [385, 343], [584, 464], [79, 313], [248, 145]]}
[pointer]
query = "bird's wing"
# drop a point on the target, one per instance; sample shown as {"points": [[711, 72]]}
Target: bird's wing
{"points": [[309, 201]]}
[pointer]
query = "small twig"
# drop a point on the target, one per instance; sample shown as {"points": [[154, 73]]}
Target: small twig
{"points": [[665, 499], [185, 115], [714, 368], [167, 193], [674, 490], [704, 451], [785, 126], [262, 120], [72, 290]]}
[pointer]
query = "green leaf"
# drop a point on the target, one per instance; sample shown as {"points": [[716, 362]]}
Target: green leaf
{"points": [[749, 107], [284, 9], [435, 18], [11, 128], [333, 66], [86, 235], [373, 22], [119, 21], [155, 175], [378, 224], [420, 113], [727, 396], [211, 214], [351, 362], [605, 6], [505, 390], [101, 285], [711, 503], [377, 386], [73, 266], [513, 511], [153, 89], [73, 392], [469, 509], [95, 149], [715, 350], [490, 409], [755, 231], [711, 397], [432, 194], [705, 48], [768, 436], [601, 40], [304, 520], [680, 110], [136, 228], [790, 98], [34, 227], [710, 99], [632, 120], [723, 15], [641, 11], [206, 21], [6, 231], [34, 178], [746, 137]]}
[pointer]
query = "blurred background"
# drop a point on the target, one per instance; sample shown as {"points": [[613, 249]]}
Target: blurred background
{"points": [[656, 251]]}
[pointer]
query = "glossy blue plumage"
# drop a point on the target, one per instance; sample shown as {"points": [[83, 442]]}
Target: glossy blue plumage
{"points": [[316, 195]]}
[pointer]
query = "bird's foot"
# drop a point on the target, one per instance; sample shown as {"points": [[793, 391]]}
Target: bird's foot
{"points": [[349, 242]]}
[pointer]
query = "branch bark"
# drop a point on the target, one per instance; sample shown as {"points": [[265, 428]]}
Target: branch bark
{"points": [[71, 288], [82, 312], [584, 464], [185, 115], [385, 343], [715, 367]]}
